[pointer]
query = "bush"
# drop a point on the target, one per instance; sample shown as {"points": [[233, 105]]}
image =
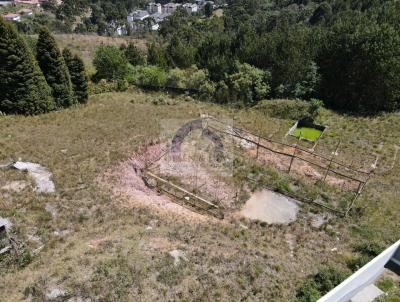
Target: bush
{"points": [[285, 109], [248, 84], [176, 78], [318, 285], [370, 249], [110, 63], [150, 76], [190, 78], [102, 87]]}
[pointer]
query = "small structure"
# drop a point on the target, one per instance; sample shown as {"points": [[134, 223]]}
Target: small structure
{"points": [[306, 129], [28, 2], [5, 3], [25, 12], [190, 8], [138, 15], [12, 17], [169, 8], [154, 8]]}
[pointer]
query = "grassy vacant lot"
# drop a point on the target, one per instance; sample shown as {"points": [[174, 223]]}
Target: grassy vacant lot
{"points": [[94, 245], [85, 45]]}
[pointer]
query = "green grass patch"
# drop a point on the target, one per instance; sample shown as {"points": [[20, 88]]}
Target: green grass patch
{"points": [[308, 133]]}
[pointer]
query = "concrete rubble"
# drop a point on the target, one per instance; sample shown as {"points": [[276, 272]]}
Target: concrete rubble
{"points": [[41, 175], [178, 255]]}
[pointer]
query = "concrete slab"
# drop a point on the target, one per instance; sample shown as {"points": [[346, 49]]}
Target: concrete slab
{"points": [[270, 207], [368, 294]]}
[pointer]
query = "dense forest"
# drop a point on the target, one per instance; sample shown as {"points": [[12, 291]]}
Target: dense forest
{"points": [[345, 53]]}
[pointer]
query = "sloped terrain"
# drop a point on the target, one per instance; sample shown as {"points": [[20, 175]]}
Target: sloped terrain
{"points": [[89, 240]]}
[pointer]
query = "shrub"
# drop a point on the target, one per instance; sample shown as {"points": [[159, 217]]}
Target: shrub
{"points": [[285, 109], [176, 78], [102, 87], [322, 282], [190, 78], [371, 249], [149, 76], [248, 84], [110, 63]]}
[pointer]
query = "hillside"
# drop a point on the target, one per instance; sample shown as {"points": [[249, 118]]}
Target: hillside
{"points": [[89, 241]]}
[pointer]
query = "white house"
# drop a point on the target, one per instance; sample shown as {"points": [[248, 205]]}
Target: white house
{"points": [[138, 15], [200, 2], [12, 17], [5, 3], [26, 12], [154, 8], [169, 8], [190, 8]]}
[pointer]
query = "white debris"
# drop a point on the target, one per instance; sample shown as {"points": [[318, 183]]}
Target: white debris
{"points": [[16, 186], [55, 293], [6, 222], [178, 255], [62, 233], [40, 174], [149, 228], [5, 250], [51, 208], [317, 221]]}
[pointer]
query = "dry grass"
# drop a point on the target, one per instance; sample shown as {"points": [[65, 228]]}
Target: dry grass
{"points": [[109, 253], [85, 45]]}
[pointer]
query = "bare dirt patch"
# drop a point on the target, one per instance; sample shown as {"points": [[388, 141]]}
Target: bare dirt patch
{"points": [[270, 207], [126, 184]]}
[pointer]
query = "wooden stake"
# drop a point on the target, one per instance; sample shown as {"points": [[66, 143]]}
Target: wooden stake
{"points": [[330, 162], [292, 159]]}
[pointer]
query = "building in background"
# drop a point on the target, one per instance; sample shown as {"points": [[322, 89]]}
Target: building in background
{"points": [[12, 17], [190, 8], [154, 8], [25, 12], [169, 8], [138, 15], [6, 3]]}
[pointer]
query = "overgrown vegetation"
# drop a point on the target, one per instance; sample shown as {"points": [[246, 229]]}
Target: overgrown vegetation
{"points": [[96, 245], [32, 86]]}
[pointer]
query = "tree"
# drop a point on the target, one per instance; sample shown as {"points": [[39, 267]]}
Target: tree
{"points": [[288, 54], [23, 88], [208, 9], [54, 69], [156, 56], [182, 55], [134, 55], [110, 63], [322, 13], [360, 65], [78, 75], [248, 84]]}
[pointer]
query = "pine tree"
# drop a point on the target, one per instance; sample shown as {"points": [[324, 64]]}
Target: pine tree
{"points": [[23, 88], [54, 69], [134, 55], [156, 56], [78, 75]]}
